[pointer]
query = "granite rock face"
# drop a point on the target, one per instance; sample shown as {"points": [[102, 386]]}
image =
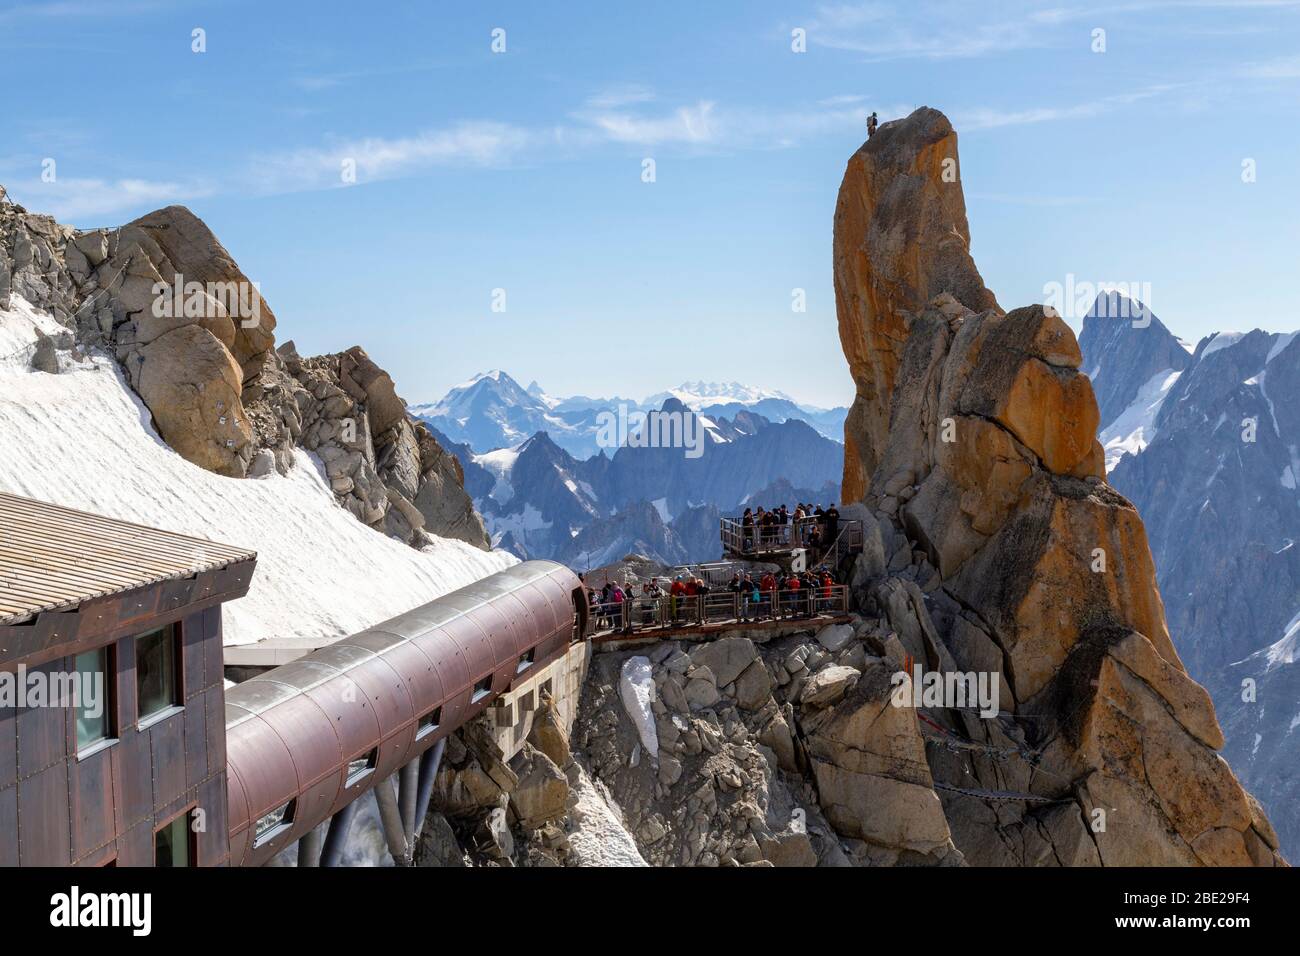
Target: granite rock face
{"points": [[196, 341], [901, 238], [1004, 545]]}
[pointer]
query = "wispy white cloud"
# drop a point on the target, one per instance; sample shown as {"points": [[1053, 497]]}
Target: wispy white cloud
{"points": [[377, 158], [86, 202], [955, 29], [687, 124], [1281, 68], [617, 97], [77, 10], [982, 118]]}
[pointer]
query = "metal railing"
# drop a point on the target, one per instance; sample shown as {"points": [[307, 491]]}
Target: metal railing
{"points": [[642, 614], [739, 538]]}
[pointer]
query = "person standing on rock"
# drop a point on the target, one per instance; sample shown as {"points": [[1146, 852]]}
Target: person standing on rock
{"points": [[871, 125]]}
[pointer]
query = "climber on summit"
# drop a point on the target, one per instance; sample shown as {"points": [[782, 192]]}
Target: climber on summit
{"points": [[871, 125]]}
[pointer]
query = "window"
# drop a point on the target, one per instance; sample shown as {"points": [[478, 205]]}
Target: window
{"points": [[428, 723], [526, 660], [481, 689], [171, 844], [156, 657], [273, 824], [95, 679], [358, 767]]}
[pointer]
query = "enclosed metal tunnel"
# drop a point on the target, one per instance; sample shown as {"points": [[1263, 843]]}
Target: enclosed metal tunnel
{"points": [[306, 739]]}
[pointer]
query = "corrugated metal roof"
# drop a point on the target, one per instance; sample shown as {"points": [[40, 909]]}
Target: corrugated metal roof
{"points": [[53, 558]]}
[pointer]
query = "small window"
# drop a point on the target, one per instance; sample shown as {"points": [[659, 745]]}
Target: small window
{"points": [[526, 660], [358, 767], [273, 824], [95, 677], [172, 844], [428, 723], [481, 689], [156, 657]]}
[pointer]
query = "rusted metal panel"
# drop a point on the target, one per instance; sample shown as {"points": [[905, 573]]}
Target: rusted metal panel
{"points": [[136, 760], [268, 775], [388, 694], [357, 727], [237, 813], [213, 840], [9, 825], [135, 846], [43, 818], [215, 705], [98, 857], [8, 748], [42, 733], [167, 743], [193, 634], [93, 824], [298, 722], [127, 703], [474, 645], [196, 740], [423, 681], [214, 671]]}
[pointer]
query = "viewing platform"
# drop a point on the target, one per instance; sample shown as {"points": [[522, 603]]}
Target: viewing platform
{"points": [[718, 613], [777, 541]]}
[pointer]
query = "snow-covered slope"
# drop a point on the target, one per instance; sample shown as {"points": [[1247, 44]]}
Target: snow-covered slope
{"points": [[82, 439]]}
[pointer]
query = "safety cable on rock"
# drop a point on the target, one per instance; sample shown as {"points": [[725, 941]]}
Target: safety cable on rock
{"points": [[954, 742], [1009, 796]]}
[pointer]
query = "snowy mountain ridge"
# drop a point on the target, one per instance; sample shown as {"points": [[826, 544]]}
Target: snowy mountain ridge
{"points": [[1207, 446], [492, 410]]}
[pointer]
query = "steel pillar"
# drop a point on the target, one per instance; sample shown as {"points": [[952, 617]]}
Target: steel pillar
{"points": [[337, 836], [391, 817], [407, 798], [309, 847], [430, 761]]}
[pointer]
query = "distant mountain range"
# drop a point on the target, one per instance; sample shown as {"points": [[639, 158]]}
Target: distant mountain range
{"points": [[1205, 441], [538, 500], [493, 411]]}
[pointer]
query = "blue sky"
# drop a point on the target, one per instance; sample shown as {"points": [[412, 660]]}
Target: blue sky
{"points": [[522, 170]]}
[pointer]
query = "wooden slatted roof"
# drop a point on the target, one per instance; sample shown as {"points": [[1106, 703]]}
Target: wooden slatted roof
{"points": [[53, 558]]}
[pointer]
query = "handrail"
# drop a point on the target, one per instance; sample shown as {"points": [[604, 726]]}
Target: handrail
{"points": [[739, 538], [640, 614]]}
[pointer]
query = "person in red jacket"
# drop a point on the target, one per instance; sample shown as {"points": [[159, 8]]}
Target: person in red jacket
{"points": [[768, 586], [676, 593]]}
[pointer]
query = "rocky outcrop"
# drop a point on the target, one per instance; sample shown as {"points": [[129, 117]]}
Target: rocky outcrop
{"points": [[1006, 554], [197, 343], [901, 238]]}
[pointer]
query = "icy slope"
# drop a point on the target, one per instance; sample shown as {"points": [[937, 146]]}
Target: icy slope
{"points": [[82, 439]]}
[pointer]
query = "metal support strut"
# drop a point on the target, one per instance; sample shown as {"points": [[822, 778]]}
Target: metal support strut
{"points": [[337, 836], [309, 847], [391, 817]]}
